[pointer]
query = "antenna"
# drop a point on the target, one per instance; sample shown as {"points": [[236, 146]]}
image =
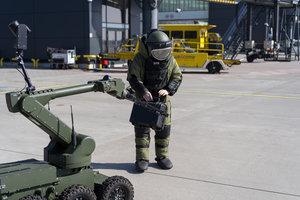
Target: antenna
{"points": [[74, 140]]}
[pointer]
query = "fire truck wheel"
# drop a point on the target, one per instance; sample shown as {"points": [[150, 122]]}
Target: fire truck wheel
{"points": [[214, 68]]}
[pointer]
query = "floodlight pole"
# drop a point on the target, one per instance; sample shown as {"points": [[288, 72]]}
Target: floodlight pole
{"points": [[150, 15], [154, 14]]}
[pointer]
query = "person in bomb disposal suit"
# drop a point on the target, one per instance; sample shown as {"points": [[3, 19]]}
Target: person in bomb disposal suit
{"points": [[154, 73]]}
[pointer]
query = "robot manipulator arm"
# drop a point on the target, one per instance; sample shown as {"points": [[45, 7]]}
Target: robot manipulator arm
{"points": [[112, 86]]}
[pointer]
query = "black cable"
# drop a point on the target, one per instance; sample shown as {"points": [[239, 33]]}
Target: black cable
{"points": [[21, 74]]}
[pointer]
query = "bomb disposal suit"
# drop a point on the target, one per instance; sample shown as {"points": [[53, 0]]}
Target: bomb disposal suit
{"points": [[154, 74]]}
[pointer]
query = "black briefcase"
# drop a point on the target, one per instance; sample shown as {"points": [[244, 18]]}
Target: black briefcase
{"points": [[149, 114]]}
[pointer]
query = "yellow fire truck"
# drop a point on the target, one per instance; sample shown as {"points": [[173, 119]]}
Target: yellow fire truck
{"points": [[193, 47]]}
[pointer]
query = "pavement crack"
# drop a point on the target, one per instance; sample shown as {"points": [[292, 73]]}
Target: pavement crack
{"points": [[19, 152], [227, 185]]}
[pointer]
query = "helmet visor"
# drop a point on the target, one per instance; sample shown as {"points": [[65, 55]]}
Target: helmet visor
{"points": [[161, 54]]}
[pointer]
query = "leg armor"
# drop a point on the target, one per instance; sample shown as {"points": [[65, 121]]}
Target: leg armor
{"points": [[142, 141], [162, 139]]}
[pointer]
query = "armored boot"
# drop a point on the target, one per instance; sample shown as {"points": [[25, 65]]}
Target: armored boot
{"points": [[162, 140], [142, 141], [165, 163]]}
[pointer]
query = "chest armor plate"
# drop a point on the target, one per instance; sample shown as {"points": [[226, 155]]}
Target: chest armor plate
{"points": [[156, 75]]}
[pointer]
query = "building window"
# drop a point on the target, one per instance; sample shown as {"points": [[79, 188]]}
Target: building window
{"points": [[187, 5], [115, 19], [176, 34], [190, 34], [103, 13], [104, 44], [167, 33], [115, 11]]}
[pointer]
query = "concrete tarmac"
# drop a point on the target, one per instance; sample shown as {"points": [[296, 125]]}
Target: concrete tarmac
{"points": [[235, 135]]}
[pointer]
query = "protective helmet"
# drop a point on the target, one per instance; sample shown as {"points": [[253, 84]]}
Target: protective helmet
{"points": [[159, 45]]}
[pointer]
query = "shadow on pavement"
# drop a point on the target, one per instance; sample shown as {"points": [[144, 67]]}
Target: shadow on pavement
{"points": [[129, 167]]}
